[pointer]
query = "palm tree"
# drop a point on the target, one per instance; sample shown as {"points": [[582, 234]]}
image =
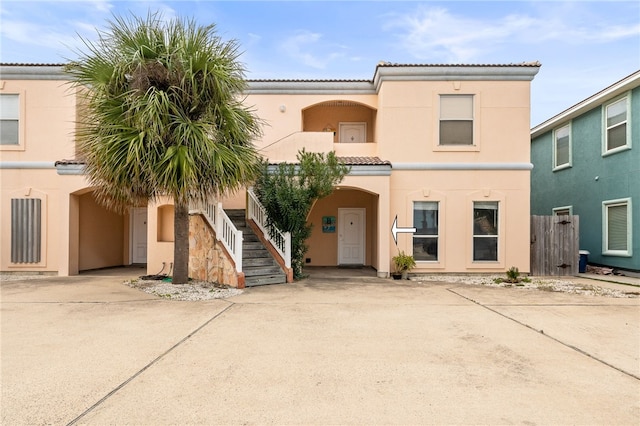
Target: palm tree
{"points": [[163, 116]]}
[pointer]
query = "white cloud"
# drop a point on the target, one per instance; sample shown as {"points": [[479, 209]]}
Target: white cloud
{"points": [[304, 47], [40, 37], [436, 34], [254, 38], [37, 35], [101, 6], [618, 31]]}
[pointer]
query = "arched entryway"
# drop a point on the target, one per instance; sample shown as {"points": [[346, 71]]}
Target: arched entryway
{"points": [[345, 229]]}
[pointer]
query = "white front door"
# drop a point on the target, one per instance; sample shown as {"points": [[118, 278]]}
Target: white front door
{"points": [[139, 235], [351, 236], [353, 132]]}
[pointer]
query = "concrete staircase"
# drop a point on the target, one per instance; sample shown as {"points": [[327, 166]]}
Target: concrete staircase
{"points": [[259, 267]]}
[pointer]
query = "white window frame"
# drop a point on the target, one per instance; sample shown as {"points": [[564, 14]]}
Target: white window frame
{"points": [[605, 231], [497, 235], [555, 210], [605, 128], [568, 164], [10, 115], [436, 235], [473, 120], [20, 146]]}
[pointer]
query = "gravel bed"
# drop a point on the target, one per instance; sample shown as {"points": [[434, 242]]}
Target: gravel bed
{"points": [[195, 290], [203, 290], [558, 285]]}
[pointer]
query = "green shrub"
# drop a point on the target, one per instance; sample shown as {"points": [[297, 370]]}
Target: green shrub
{"points": [[289, 191], [403, 262], [513, 275]]}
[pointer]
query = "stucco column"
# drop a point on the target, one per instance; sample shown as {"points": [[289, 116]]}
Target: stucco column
{"points": [[384, 231], [72, 185], [68, 232]]}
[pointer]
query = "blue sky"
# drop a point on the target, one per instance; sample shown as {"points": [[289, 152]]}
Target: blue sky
{"points": [[584, 46]]}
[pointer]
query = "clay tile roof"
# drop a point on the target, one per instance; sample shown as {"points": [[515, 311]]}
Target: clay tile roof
{"points": [[314, 80], [26, 64], [521, 64], [363, 161], [68, 162]]}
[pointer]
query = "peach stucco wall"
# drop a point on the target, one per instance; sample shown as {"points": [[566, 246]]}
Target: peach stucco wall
{"points": [[281, 124], [47, 115], [77, 233], [456, 191], [406, 134], [406, 126], [402, 119]]}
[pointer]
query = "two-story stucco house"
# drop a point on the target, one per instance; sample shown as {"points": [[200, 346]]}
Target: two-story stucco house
{"points": [[587, 163], [439, 151]]}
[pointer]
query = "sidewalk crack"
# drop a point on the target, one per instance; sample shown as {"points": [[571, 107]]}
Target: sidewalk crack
{"points": [[548, 336]]}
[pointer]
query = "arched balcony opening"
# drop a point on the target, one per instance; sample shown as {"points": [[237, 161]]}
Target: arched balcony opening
{"points": [[349, 121]]}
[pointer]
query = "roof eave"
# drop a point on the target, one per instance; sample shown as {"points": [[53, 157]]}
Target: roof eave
{"points": [[630, 82], [517, 72], [399, 72], [33, 72], [307, 87]]}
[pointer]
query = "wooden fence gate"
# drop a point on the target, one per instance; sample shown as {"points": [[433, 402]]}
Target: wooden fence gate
{"points": [[554, 245]]}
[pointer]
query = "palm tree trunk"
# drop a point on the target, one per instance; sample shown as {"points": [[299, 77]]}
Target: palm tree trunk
{"points": [[181, 244]]}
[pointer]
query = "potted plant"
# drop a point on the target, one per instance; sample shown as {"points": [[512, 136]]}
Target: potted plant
{"points": [[402, 263]]}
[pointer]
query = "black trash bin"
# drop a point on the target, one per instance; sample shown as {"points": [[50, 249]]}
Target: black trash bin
{"points": [[584, 258]]}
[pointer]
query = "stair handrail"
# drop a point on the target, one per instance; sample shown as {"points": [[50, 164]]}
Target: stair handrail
{"points": [[281, 241], [226, 231]]}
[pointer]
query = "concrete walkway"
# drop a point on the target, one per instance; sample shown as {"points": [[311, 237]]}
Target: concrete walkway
{"points": [[89, 350]]}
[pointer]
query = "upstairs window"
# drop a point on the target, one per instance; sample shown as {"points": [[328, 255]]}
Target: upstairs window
{"points": [[616, 134], [9, 119], [456, 120], [562, 147]]}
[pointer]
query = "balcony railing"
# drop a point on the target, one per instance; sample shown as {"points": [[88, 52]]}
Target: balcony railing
{"points": [[281, 241]]}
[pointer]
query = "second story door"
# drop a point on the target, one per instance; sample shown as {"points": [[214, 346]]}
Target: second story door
{"points": [[353, 132]]}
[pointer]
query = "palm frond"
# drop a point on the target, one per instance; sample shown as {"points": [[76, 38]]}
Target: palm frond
{"points": [[163, 115]]}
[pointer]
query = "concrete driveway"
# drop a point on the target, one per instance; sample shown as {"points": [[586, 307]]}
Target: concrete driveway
{"points": [[89, 350]]}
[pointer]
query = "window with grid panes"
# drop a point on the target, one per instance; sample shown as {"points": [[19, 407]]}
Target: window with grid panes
{"points": [[9, 119], [485, 231], [425, 239], [562, 147], [616, 133]]}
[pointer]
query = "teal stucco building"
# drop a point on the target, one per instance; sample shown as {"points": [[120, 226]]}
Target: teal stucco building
{"points": [[587, 163]]}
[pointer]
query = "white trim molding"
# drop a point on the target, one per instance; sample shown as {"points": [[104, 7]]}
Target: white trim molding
{"points": [[588, 104], [27, 165], [605, 222], [462, 166]]}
